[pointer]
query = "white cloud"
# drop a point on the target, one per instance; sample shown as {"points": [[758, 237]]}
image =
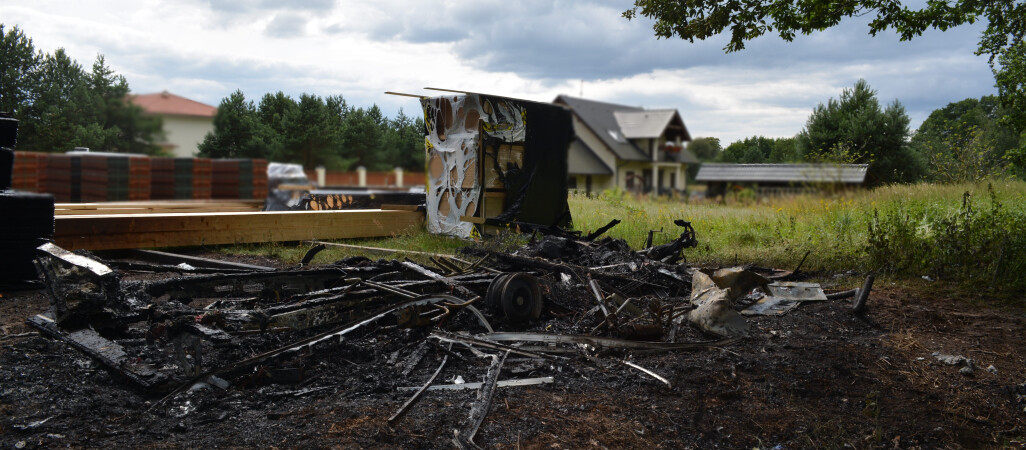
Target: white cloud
{"points": [[205, 49]]}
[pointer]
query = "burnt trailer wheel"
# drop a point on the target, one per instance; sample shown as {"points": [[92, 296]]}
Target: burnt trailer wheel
{"points": [[521, 298], [493, 298]]}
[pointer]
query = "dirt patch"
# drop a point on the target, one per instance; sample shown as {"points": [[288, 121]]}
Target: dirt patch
{"points": [[817, 377]]}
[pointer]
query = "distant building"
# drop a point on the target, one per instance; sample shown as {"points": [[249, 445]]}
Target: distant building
{"points": [[639, 150], [186, 122], [780, 178]]}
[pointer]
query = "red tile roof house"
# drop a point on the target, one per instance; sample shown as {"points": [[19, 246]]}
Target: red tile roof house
{"points": [[186, 122]]}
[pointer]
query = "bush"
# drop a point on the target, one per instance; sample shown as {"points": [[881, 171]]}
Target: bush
{"points": [[985, 245]]}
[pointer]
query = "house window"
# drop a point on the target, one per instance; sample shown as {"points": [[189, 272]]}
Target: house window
{"points": [[630, 179], [572, 182]]}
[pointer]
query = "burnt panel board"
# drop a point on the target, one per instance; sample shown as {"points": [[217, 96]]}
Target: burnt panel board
{"points": [[481, 144]]}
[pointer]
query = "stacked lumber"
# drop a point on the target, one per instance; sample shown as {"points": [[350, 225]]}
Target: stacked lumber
{"points": [[114, 178], [259, 178], [93, 179], [239, 178], [28, 170], [103, 177], [55, 177], [158, 206], [76, 178], [139, 178], [106, 232], [180, 178]]}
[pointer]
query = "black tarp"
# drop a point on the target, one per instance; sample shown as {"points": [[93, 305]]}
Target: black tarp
{"points": [[537, 193]]}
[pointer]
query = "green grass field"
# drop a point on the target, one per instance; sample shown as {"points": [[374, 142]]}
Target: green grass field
{"points": [[778, 232], [922, 229]]}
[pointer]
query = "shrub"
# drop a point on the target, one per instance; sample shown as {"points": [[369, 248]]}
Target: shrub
{"points": [[985, 245]]}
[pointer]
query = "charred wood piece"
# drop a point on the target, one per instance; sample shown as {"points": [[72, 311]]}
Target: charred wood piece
{"points": [[275, 285], [671, 252], [310, 254], [109, 354], [416, 396], [81, 289], [160, 257], [599, 232], [465, 437]]}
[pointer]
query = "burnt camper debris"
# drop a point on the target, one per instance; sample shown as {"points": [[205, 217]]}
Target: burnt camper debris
{"points": [[557, 309]]}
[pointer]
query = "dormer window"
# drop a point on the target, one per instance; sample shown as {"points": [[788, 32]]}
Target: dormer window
{"points": [[617, 136]]}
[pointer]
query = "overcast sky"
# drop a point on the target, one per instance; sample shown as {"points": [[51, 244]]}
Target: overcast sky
{"points": [[206, 49]]}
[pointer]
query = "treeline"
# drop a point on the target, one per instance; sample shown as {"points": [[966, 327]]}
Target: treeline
{"points": [[964, 141], [59, 105], [314, 131]]}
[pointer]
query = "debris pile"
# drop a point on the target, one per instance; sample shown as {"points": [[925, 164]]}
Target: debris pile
{"points": [[558, 307]]}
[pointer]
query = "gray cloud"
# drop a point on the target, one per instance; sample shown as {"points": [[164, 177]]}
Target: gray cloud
{"points": [[590, 41], [552, 42], [286, 25], [227, 13], [248, 6]]}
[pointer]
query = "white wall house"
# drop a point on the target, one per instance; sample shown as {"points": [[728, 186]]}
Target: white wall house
{"points": [[639, 150], [186, 122]]}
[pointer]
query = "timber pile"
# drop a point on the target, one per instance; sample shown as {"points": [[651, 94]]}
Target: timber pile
{"points": [[156, 207], [102, 177], [239, 178], [30, 167], [180, 178], [120, 231], [55, 176], [107, 178]]}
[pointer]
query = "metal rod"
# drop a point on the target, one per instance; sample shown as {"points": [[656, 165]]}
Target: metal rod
{"points": [[402, 410]]}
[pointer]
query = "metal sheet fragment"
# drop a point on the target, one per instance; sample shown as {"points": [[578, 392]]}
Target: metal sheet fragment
{"points": [[783, 297]]}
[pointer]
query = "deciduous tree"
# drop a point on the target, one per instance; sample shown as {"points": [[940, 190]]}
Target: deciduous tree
{"points": [[966, 140], [748, 19]]}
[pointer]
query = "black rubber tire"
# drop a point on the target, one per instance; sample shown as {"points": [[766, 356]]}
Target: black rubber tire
{"points": [[492, 298], [521, 298]]}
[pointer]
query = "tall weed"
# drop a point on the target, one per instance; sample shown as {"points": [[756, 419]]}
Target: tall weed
{"points": [[984, 245]]}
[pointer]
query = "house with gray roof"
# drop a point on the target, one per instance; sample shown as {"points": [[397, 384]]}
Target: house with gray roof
{"points": [[639, 150], [780, 178]]}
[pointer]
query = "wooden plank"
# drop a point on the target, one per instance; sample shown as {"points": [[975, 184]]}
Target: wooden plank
{"points": [[400, 207], [405, 95], [195, 261], [95, 212], [388, 251], [162, 204], [109, 232], [472, 219]]}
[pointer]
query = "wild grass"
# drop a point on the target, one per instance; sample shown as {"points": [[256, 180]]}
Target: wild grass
{"points": [[904, 230]]}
